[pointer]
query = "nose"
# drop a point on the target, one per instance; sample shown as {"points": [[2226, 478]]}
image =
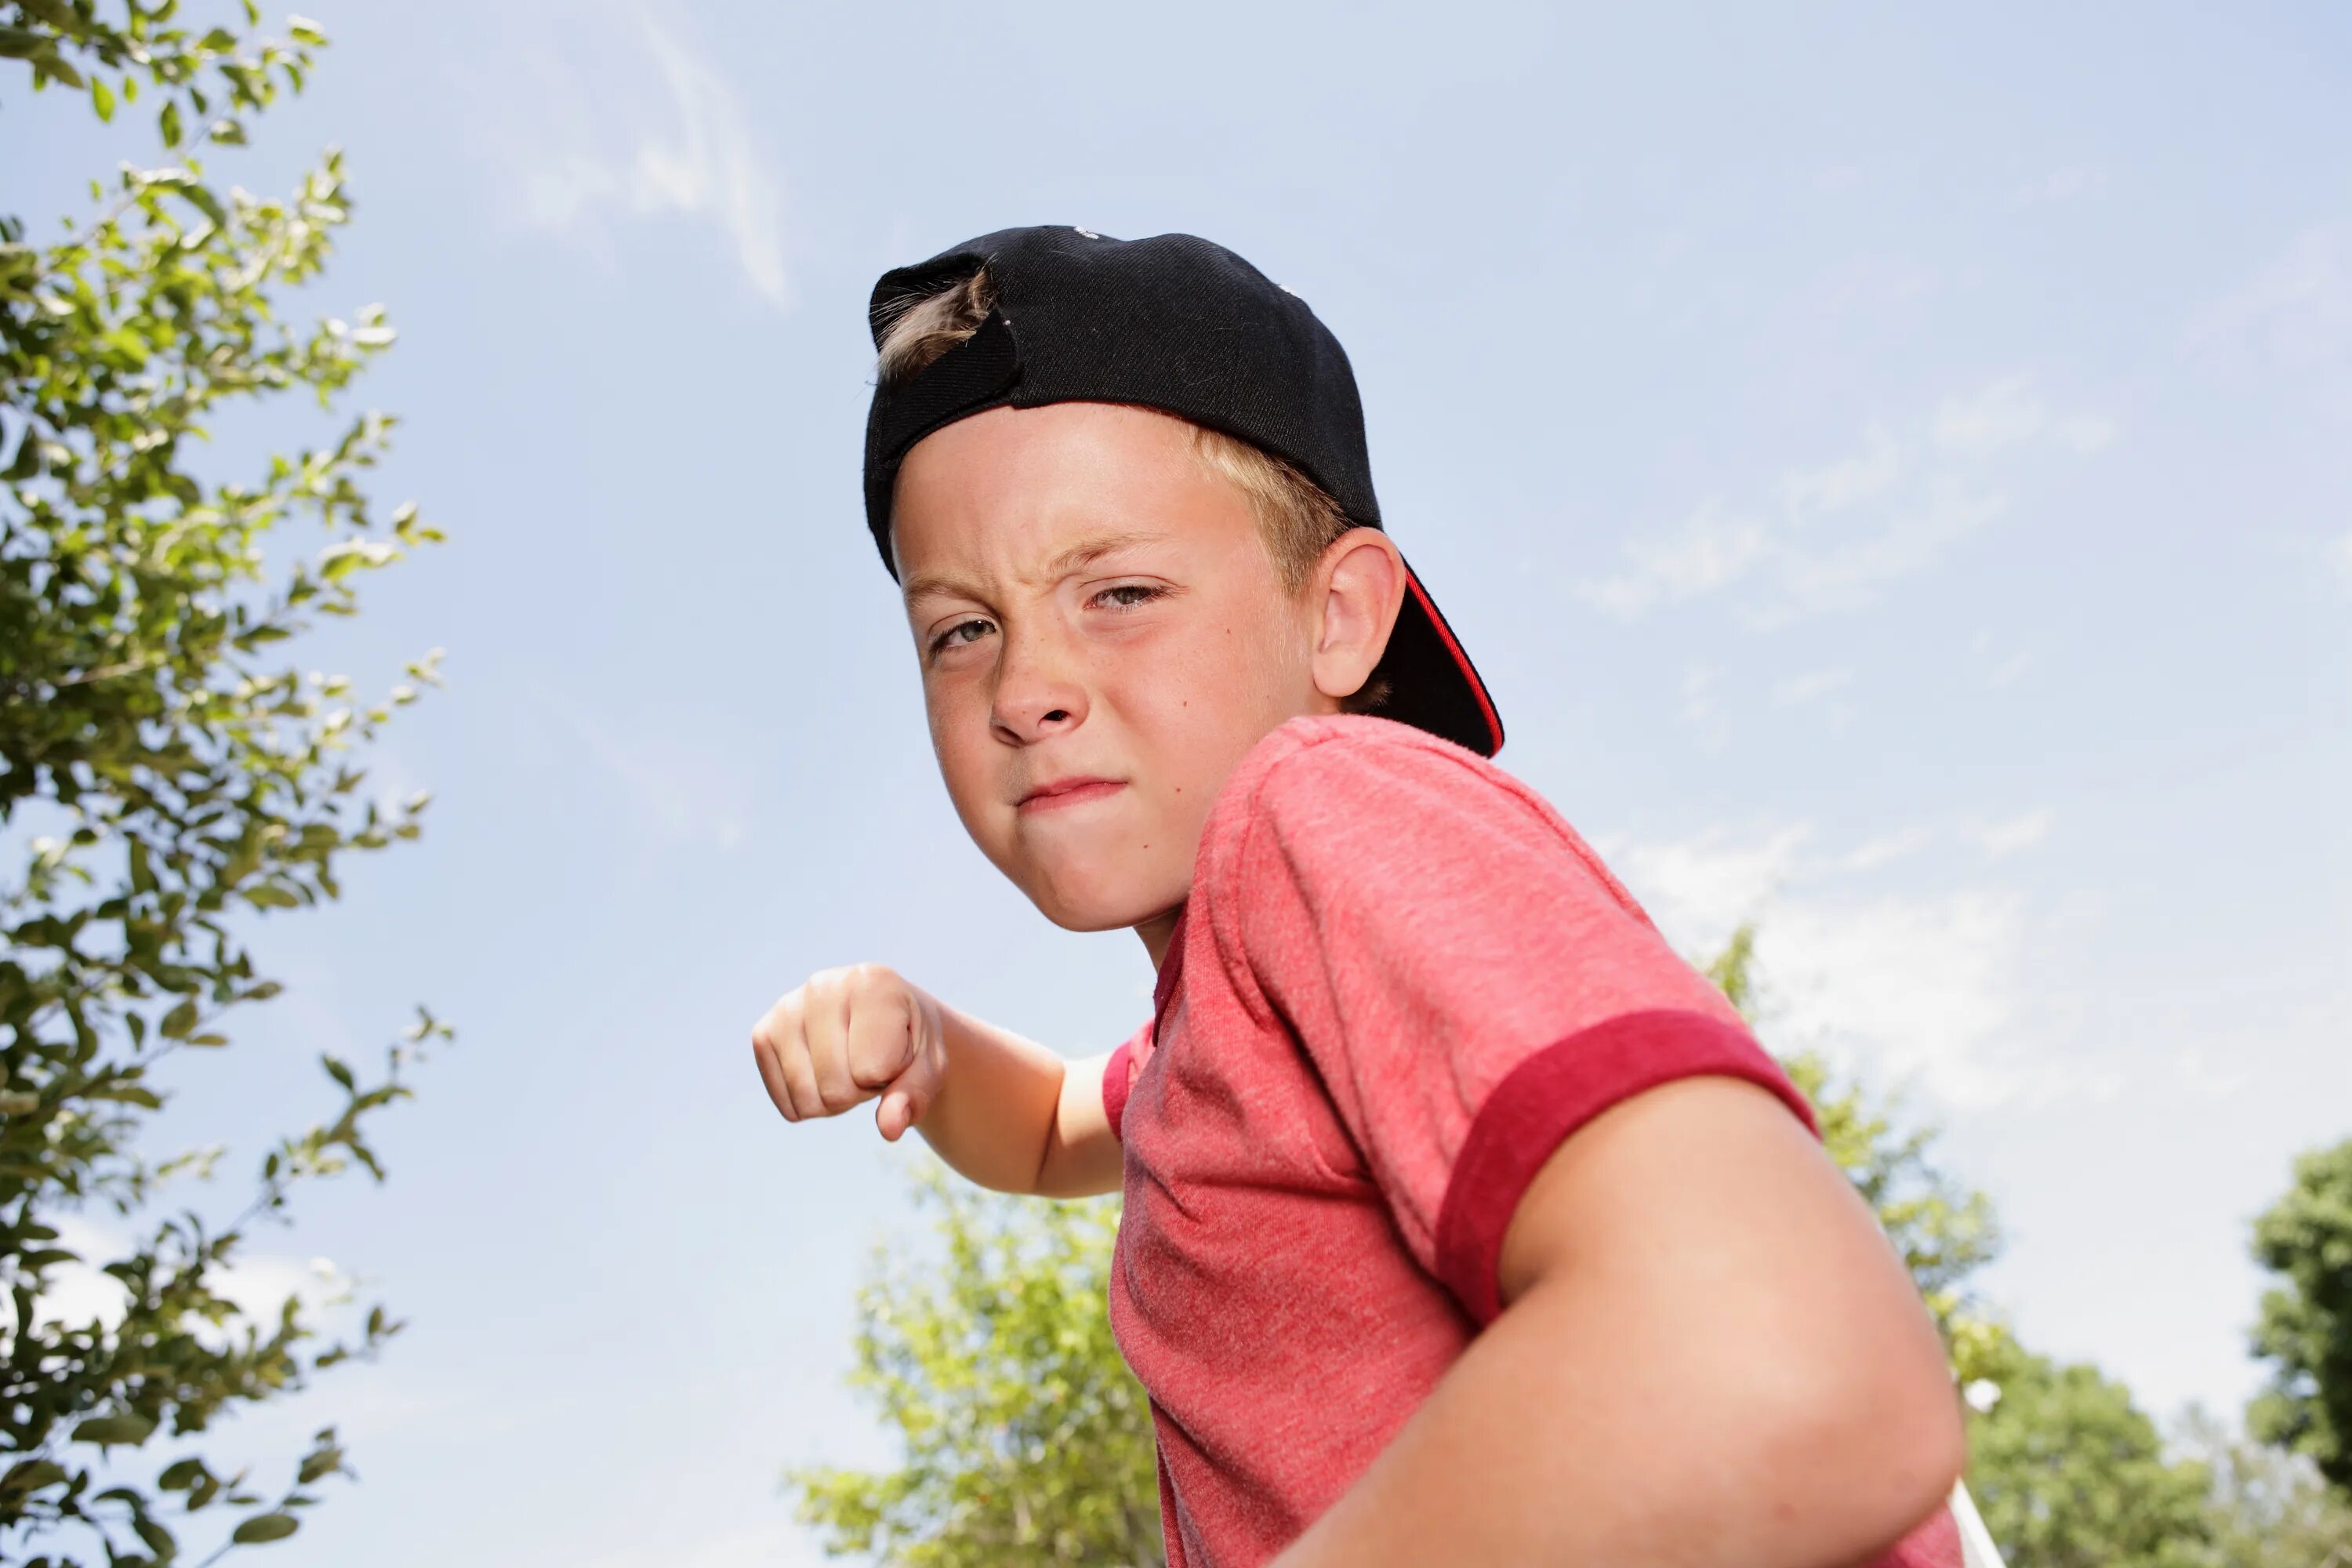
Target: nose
{"points": [[1037, 696]]}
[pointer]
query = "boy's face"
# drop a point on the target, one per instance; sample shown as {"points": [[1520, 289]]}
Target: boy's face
{"points": [[1102, 634]]}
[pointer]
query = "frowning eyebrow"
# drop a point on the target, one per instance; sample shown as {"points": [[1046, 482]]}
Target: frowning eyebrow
{"points": [[1078, 557]]}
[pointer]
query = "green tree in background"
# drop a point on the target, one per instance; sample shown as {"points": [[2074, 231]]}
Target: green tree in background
{"points": [[2068, 1471], [1027, 1439], [2269, 1507], [165, 778], [2305, 1327]]}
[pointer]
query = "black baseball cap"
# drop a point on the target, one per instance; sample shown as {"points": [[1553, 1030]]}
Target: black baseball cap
{"points": [[1176, 323]]}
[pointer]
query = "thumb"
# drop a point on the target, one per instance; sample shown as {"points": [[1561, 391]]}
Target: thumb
{"points": [[903, 1104]]}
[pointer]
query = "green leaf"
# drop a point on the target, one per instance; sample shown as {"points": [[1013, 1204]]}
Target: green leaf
{"points": [[58, 68], [101, 98], [31, 1475], [306, 31], [340, 1073], [205, 202], [109, 1429], [168, 122], [265, 1527], [181, 1474], [180, 1022]]}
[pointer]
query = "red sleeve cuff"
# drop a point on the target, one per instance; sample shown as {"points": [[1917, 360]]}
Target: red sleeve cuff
{"points": [[1116, 1076], [1551, 1095]]}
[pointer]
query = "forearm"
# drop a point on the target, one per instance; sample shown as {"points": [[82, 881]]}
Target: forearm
{"points": [[1012, 1115]]}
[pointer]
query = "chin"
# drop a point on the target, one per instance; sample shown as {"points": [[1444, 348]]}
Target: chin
{"points": [[1081, 904]]}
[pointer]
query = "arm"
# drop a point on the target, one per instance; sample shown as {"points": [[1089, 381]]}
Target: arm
{"points": [[1010, 1114], [1708, 1355], [1005, 1111]]}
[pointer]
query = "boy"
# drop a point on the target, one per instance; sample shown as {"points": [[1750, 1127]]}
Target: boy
{"points": [[1465, 1223]]}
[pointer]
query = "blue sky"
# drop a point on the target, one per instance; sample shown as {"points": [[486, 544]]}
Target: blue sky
{"points": [[1895, 472]]}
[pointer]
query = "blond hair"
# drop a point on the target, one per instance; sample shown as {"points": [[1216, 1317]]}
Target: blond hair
{"points": [[1298, 517]]}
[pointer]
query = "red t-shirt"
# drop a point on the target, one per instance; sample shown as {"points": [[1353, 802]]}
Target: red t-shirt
{"points": [[1400, 981]]}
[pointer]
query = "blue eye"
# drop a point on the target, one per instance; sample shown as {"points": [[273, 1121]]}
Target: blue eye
{"points": [[1127, 596], [959, 634]]}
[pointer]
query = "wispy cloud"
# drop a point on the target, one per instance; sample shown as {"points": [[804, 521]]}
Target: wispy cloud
{"points": [[683, 785], [2010, 412], [1929, 989], [1998, 839], [675, 143], [2066, 184], [2296, 310], [1833, 537], [1799, 689], [1701, 710]]}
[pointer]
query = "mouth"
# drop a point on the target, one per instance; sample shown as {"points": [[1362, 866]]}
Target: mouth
{"points": [[1074, 791]]}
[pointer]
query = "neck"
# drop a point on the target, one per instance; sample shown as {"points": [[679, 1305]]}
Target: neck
{"points": [[1157, 932]]}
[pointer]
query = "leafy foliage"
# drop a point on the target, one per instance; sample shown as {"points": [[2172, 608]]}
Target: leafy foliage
{"points": [[2069, 1473], [1026, 1439], [2306, 1327], [183, 780], [2269, 1508]]}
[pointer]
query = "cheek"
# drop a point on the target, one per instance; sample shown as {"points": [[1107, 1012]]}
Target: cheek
{"points": [[1204, 696], [960, 741]]}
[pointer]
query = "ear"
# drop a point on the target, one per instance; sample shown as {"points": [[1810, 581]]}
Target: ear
{"points": [[1358, 588]]}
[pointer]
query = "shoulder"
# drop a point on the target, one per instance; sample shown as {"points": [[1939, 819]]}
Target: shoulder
{"points": [[1355, 768], [1358, 799]]}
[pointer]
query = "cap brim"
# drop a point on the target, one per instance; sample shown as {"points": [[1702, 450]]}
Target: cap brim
{"points": [[1433, 685]]}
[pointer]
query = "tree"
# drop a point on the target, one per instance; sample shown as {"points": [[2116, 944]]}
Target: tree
{"points": [[1026, 1439], [2305, 1328], [2269, 1508], [178, 784], [2068, 1471]]}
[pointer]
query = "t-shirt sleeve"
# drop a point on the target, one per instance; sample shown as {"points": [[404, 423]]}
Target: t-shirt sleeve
{"points": [[1120, 1073], [1471, 984]]}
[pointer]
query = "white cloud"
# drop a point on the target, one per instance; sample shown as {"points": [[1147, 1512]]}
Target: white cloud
{"points": [[2296, 310], [1885, 851], [1929, 989], [1700, 709], [2063, 184], [2004, 414], [2206, 1080], [1799, 689], [1713, 548], [1817, 492], [685, 788], [1834, 536], [586, 156], [2001, 838]]}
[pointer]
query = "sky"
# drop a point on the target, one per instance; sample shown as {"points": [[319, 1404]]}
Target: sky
{"points": [[1893, 469]]}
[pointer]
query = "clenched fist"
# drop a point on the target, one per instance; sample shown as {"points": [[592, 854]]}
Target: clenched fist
{"points": [[846, 1037]]}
